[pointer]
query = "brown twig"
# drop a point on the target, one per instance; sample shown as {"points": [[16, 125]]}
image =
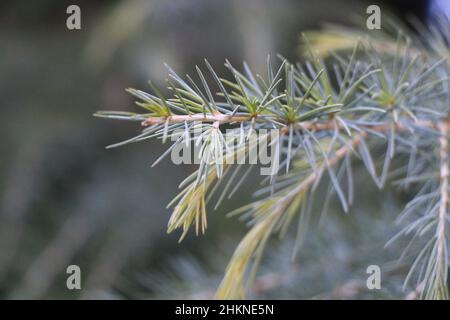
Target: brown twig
{"points": [[198, 117], [309, 125], [416, 293]]}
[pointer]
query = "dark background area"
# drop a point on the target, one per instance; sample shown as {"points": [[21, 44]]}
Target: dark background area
{"points": [[66, 200]]}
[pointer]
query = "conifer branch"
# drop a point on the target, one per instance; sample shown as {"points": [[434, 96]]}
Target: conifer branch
{"points": [[371, 98]]}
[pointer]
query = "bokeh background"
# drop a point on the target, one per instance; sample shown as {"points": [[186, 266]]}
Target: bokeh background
{"points": [[66, 200]]}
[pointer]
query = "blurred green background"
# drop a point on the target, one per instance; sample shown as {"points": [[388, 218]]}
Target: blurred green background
{"points": [[66, 200]]}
